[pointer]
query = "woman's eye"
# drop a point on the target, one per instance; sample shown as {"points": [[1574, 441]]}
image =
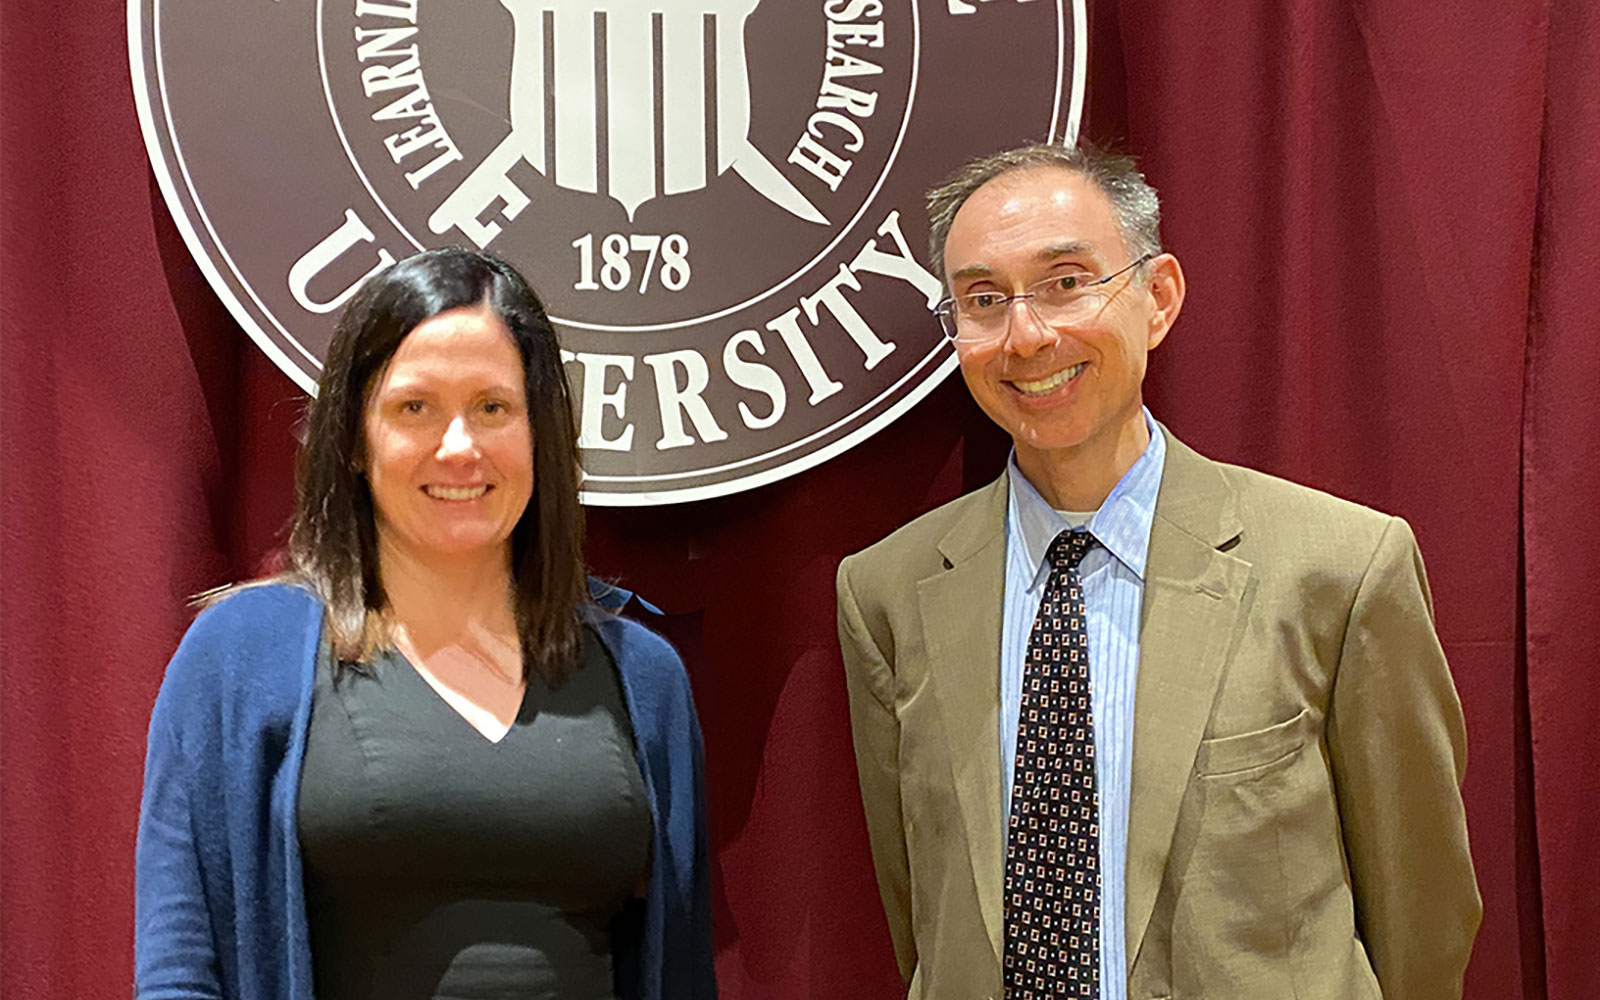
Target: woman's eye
{"points": [[494, 407], [411, 406]]}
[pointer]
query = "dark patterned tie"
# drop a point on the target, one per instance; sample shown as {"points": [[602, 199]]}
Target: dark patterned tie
{"points": [[1052, 914]]}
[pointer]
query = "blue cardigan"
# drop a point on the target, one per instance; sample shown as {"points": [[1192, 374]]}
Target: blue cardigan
{"points": [[220, 904]]}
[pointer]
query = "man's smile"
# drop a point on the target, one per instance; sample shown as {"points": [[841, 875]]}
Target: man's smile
{"points": [[1050, 383]]}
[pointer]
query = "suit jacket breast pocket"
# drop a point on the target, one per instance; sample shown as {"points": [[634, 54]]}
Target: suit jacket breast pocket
{"points": [[1247, 751]]}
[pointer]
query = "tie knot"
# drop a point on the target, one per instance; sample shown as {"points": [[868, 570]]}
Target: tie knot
{"points": [[1068, 550]]}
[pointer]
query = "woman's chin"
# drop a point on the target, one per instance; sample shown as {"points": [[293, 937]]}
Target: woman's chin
{"points": [[462, 546]]}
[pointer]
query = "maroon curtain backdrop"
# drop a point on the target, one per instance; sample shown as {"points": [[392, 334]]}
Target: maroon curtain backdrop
{"points": [[1388, 213]]}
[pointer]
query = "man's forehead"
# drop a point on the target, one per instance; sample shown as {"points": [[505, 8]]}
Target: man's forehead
{"points": [[1048, 211]]}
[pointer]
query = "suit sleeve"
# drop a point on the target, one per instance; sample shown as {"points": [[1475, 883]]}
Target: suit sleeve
{"points": [[1397, 745], [875, 729]]}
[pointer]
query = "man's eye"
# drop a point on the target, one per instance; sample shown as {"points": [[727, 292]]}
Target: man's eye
{"points": [[1068, 282], [983, 300]]}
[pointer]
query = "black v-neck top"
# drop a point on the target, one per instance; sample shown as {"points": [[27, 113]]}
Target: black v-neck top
{"points": [[441, 866]]}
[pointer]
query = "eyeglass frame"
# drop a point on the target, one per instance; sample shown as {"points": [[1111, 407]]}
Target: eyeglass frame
{"points": [[946, 306]]}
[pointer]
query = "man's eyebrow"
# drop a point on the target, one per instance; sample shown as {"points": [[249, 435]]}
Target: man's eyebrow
{"points": [[1076, 248]]}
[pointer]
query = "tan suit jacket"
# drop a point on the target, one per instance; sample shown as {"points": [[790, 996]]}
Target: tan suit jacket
{"points": [[1295, 828]]}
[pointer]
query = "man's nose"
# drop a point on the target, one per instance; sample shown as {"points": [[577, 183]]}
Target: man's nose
{"points": [[457, 440], [1026, 333]]}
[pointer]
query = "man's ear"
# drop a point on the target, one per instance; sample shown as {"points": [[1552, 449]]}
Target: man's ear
{"points": [[1165, 283]]}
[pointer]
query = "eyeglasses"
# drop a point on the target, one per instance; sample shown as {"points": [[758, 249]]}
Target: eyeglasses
{"points": [[980, 317]]}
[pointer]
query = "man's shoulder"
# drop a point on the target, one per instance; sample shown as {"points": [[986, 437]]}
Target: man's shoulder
{"points": [[1283, 515], [914, 549], [1264, 494]]}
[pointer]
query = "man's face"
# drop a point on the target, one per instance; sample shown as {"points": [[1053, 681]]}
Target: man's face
{"points": [[1062, 388]]}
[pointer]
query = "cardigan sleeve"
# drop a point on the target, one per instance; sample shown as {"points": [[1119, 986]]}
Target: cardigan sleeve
{"points": [[207, 906], [174, 946], [701, 973], [672, 956]]}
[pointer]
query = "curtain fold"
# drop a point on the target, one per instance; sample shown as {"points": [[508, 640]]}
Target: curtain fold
{"points": [[1561, 504]]}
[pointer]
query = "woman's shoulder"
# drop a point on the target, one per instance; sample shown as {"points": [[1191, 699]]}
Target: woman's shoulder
{"points": [[636, 646], [256, 601], [255, 612], [652, 671], [252, 630]]}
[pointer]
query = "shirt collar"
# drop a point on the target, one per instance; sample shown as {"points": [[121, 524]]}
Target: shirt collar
{"points": [[1122, 524]]}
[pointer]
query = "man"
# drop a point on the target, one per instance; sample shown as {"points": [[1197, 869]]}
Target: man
{"points": [[1130, 722]]}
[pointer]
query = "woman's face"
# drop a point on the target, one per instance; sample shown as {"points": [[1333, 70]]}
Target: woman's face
{"points": [[449, 446]]}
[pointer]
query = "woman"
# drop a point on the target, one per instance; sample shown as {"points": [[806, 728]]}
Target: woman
{"points": [[423, 763]]}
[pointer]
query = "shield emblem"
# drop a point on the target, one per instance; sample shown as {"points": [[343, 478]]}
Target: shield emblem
{"points": [[602, 89]]}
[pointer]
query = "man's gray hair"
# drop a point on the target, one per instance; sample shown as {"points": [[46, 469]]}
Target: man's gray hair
{"points": [[1134, 203]]}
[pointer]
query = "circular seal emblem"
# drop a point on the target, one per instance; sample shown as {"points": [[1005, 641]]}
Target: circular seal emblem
{"points": [[718, 200]]}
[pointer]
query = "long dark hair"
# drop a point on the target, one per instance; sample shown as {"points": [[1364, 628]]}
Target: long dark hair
{"points": [[333, 544]]}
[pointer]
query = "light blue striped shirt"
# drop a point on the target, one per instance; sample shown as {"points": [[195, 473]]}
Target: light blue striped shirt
{"points": [[1113, 590]]}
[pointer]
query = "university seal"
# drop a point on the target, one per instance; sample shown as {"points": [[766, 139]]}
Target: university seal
{"points": [[719, 200]]}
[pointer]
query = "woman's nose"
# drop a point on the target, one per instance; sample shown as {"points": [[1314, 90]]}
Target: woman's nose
{"points": [[457, 439]]}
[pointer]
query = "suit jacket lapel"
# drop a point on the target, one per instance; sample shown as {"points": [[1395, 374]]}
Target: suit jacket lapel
{"points": [[961, 619], [1195, 602]]}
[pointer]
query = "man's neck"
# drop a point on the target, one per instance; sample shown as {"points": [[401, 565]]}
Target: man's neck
{"points": [[1081, 477]]}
